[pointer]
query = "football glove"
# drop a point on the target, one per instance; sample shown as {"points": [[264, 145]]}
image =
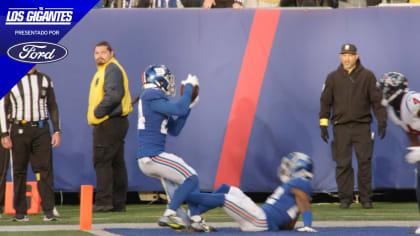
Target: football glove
{"points": [[414, 155], [191, 79], [306, 229]]}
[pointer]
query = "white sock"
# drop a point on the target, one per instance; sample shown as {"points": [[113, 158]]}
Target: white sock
{"points": [[169, 212]]}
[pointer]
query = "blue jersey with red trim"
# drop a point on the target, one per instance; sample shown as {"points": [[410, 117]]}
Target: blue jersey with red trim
{"points": [[155, 119], [280, 207]]}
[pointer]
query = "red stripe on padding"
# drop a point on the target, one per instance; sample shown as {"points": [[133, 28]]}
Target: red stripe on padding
{"points": [[246, 96]]}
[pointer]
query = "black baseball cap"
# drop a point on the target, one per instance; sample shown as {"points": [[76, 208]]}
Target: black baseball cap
{"points": [[348, 48]]}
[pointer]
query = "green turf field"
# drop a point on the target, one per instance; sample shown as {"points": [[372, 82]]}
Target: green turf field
{"points": [[149, 213], [143, 213]]}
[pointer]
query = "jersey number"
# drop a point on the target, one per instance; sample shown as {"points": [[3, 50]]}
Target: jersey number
{"points": [[141, 123], [292, 211]]}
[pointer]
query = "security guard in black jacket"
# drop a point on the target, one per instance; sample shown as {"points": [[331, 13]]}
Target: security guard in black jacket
{"points": [[351, 92], [30, 103]]}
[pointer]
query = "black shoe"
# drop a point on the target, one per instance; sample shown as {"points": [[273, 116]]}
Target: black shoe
{"points": [[367, 205], [344, 205], [50, 218], [98, 208], [119, 209], [20, 218]]}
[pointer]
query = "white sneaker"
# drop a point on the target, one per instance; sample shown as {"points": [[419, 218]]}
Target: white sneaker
{"points": [[55, 212], [173, 221], [202, 226], [417, 230]]}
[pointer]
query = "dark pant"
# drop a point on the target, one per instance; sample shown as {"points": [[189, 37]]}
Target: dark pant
{"points": [[418, 185], [4, 166], [223, 4], [347, 136], [108, 160], [32, 143]]}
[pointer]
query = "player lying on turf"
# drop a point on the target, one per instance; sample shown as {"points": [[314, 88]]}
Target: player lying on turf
{"points": [[281, 209], [157, 117], [404, 110]]}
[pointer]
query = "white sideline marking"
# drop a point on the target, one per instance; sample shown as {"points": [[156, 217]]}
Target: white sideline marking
{"points": [[98, 229]]}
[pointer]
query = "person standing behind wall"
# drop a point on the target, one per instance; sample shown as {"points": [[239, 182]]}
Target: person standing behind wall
{"points": [[31, 102], [235, 4], [109, 105], [4, 166], [351, 92]]}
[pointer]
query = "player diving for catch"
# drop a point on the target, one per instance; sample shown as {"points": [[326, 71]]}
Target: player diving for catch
{"points": [[281, 209]]}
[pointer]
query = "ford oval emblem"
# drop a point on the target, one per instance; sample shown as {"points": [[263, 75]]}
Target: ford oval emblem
{"points": [[37, 52]]}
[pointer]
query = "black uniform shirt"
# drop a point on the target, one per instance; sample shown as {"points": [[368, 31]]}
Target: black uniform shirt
{"points": [[351, 97]]}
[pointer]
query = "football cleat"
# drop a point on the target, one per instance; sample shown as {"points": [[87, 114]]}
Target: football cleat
{"points": [[202, 226], [173, 221]]}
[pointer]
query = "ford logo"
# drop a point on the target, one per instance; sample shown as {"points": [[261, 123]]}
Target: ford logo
{"points": [[37, 52]]}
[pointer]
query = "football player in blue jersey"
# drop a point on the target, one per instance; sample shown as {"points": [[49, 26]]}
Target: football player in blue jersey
{"points": [[281, 209], [157, 117]]}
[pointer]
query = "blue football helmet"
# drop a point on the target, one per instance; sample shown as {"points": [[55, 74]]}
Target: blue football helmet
{"points": [[294, 165], [392, 84], [159, 76]]}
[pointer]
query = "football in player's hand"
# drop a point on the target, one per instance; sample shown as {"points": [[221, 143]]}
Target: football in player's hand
{"points": [[195, 91]]}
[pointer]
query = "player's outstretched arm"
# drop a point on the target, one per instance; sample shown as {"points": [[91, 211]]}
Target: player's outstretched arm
{"points": [[304, 205], [178, 108]]}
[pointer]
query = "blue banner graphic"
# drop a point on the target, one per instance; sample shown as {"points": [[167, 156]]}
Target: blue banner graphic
{"points": [[42, 21]]}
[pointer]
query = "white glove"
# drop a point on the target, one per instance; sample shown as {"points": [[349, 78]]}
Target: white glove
{"points": [[306, 229], [413, 156], [194, 102], [191, 79]]}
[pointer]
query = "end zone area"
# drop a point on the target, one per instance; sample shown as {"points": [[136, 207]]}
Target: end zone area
{"points": [[230, 231]]}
